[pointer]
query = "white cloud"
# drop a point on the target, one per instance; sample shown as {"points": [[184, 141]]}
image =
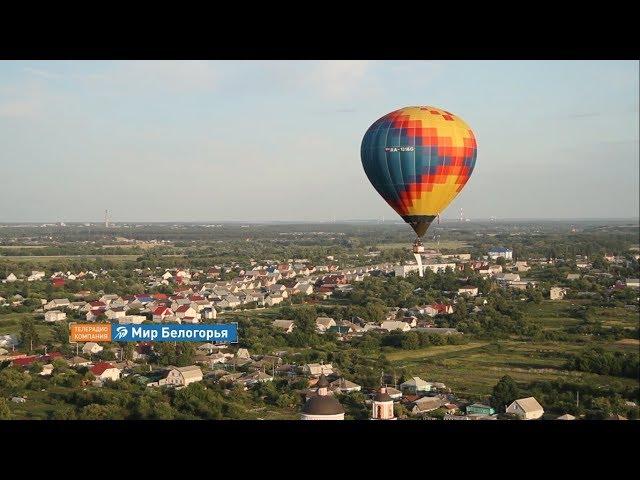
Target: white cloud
{"points": [[340, 79], [163, 75], [43, 73]]}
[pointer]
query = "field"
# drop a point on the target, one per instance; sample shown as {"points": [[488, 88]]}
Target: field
{"points": [[432, 351], [444, 244], [10, 325], [473, 371], [53, 258], [474, 368]]}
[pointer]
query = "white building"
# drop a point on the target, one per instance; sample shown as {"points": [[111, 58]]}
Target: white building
{"points": [[106, 371], [183, 376], [91, 347], [470, 291], [633, 283], [392, 325], [415, 385], [54, 316], [498, 252], [526, 408], [557, 293]]}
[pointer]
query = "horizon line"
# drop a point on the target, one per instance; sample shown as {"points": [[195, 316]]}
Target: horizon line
{"points": [[333, 221]]}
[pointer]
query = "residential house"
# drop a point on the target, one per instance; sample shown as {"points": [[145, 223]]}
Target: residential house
{"points": [[243, 353], [186, 311], [323, 323], [442, 308], [57, 303], [498, 252], [209, 313], [303, 287], [108, 298], [35, 275], [426, 404], [393, 325], [469, 291], [632, 283], [526, 408], [113, 313], [566, 416], [106, 371], [54, 316], [317, 369], [93, 315], [253, 378], [91, 347], [286, 326], [183, 376], [135, 319], [161, 313], [415, 385], [343, 385], [479, 409], [508, 277], [557, 293], [11, 278], [207, 348], [274, 299], [79, 362], [573, 276]]}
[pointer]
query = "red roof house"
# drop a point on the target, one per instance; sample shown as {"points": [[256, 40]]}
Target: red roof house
{"points": [[99, 368]]}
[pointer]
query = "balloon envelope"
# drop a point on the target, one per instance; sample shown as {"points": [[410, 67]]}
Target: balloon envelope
{"points": [[418, 159]]}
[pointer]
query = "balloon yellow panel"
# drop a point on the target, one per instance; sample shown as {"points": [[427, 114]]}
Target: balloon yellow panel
{"points": [[418, 159]]}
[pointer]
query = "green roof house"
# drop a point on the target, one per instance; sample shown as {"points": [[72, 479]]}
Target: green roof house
{"points": [[480, 409]]}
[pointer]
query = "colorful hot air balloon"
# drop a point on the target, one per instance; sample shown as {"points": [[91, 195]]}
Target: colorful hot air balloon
{"points": [[418, 159]]}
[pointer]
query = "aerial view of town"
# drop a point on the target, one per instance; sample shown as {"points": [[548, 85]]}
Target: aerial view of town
{"points": [[357, 270]]}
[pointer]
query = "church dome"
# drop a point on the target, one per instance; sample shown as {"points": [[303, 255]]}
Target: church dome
{"points": [[322, 405], [382, 396]]}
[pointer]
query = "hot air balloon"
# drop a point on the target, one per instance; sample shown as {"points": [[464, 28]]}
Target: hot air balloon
{"points": [[418, 159]]}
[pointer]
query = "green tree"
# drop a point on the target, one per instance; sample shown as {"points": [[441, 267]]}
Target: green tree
{"points": [[504, 392], [5, 412], [95, 411], [411, 341], [13, 381], [61, 332], [28, 333]]}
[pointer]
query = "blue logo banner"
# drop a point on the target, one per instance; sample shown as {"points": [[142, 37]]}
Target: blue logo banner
{"points": [[170, 332]]}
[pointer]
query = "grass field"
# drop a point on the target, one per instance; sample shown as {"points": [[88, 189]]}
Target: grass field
{"points": [[399, 355], [10, 325], [555, 315], [53, 258], [618, 316], [475, 370]]}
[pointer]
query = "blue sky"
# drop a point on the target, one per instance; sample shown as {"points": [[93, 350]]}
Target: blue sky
{"points": [[280, 140]]}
